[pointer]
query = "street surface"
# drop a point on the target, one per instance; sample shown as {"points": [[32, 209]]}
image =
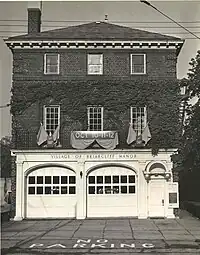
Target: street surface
{"points": [[102, 236]]}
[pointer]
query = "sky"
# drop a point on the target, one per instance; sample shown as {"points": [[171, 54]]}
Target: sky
{"points": [[56, 14]]}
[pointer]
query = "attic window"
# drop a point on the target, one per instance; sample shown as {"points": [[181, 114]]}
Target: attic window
{"points": [[51, 63]]}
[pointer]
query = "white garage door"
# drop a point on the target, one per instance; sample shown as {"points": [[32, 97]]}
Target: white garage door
{"points": [[51, 193], [111, 192]]}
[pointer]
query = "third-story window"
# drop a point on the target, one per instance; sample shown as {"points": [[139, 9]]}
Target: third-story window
{"points": [[139, 118], [51, 63], [95, 64], [138, 64], [95, 118], [51, 118]]}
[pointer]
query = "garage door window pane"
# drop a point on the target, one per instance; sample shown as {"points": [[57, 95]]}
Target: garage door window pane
{"points": [[39, 179], [107, 189], [131, 178], [47, 190], [131, 189], [123, 189], [63, 179], [31, 180], [99, 179], [115, 179], [64, 190], [56, 190], [107, 179], [47, 179], [55, 179], [92, 190], [39, 190], [99, 189], [123, 179], [91, 179], [115, 189], [72, 190], [72, 180], [31, 190]]}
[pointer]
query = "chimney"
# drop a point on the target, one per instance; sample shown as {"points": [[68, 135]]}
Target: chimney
{"points": [[34, 17], [106, 18]]}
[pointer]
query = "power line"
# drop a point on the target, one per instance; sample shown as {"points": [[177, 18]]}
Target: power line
{"points": [[25, 32], [165, 15], [4, 106], [16, 25], [114, 21]]}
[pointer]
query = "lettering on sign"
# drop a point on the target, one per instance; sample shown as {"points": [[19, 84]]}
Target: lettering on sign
{"points": [[94, 134], [99, 243], [92, 156]]}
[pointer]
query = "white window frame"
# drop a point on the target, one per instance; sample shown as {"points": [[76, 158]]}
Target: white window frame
{"points": [[91, 73], [141, 54], [45, 63], [138, 109], [45, 112], [89, 120]]}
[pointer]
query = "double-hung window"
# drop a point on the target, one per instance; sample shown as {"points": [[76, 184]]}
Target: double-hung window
{"points": [[95, 64], [139, 119], [95, 118], [138, 63], [51, 63], [51, 118]]}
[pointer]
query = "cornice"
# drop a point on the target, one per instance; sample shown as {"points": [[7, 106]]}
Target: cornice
{"points": [[48, 44]]}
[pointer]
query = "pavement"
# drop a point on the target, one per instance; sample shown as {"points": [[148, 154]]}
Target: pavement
{"points": [[102, 236]]}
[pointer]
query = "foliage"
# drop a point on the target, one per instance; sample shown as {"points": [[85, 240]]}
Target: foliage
{"points": [[5, 157], [160, 96], [189, 152]]}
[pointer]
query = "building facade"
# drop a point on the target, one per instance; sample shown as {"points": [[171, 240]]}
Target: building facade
{"points": [[95, 121]]}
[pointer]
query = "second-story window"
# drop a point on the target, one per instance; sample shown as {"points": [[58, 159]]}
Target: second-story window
{"points": [[51, 63], [51, 118], [95, 118], [139, 119], [138, 63], [95, 64]]}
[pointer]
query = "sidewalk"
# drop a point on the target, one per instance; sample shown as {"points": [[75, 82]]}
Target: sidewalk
{"points": [[112, 234]]}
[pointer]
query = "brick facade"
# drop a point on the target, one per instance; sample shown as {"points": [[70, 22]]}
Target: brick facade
{"points": [[29, 64]]}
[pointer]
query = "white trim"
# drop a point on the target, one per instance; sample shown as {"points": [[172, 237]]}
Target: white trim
{"points": [[131, 62], [101, 60], [88, 114], [45, 63], [44, 114], [74, 44]]}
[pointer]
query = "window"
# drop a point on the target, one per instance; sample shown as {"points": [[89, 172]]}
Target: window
{"points": [[51, 63], [138, 64], [95, 118], [95, 63], [114, 184], [51, 185], [138, 119], [51, 118]]}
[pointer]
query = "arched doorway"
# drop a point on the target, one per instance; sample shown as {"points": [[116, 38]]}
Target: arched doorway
{"points": [[157, 190], [112, 192], [50, 192]]}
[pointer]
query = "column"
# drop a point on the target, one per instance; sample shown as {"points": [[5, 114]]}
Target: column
{"points": [[19, 192], [142, 192], [81, 191]]}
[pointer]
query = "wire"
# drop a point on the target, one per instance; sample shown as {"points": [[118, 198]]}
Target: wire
{"points": [[24, 32], [18, 25], [114, 21], [4, 106], [149, 4]]}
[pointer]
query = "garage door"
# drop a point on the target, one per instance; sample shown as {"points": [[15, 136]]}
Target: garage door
{"points": [[51, 193], [111, 192]]}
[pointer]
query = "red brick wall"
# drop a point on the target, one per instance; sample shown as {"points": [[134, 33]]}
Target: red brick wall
{"points": [[28, 64]]}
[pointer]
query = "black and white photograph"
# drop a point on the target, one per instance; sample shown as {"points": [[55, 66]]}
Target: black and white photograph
{"points": [[100, 127]]}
